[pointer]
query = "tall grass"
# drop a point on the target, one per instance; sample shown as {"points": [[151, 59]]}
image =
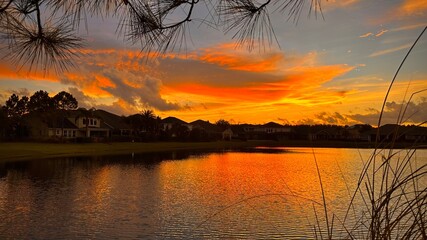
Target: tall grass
{"points": [[391, 188]]}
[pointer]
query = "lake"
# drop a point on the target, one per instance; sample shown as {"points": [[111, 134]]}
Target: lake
{"points": [[263, 193]]}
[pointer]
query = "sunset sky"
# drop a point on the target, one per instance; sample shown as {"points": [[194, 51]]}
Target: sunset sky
{"points": [[333, 71]]}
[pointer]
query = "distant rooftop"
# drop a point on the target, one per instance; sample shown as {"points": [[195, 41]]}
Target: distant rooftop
{"points": [[173, 120]]}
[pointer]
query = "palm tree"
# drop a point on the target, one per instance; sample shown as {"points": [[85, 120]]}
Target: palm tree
{"points": [[148, 118]]}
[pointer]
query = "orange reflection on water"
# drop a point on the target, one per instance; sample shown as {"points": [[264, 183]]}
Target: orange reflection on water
{"points": [[266, 193], [269, 185]]}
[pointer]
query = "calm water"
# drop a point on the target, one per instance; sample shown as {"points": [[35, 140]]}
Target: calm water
{"points": [[268, 193]]}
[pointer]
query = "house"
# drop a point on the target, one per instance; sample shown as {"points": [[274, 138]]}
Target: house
{"points": [[63, 128], [273, 127], [211, 131], [358, 132], [400, 133], [88, 124], [238, 132], [81, 123], [327, 133], [271, 131], [270, 127], [116, 124], [169, 122], [227, 134], [206, 125], [415, 134], [65, 125]]}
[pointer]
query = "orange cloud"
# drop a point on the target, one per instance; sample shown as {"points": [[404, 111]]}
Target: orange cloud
{"points": [[228, 56], [409, 27], [210, 80], [314, 75], [344, 3], [251, 94], [8, 72], [391, 50], [366, 35], [408, 9], [93, 87], [380, 33], [297, 85], [413, 7], [334, 4]]}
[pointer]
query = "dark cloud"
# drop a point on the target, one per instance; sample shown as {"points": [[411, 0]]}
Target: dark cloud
{"points": [[334, 118], [406, 112], [145, 92], [134, 90], [402, 113], [84, 100], [3, 99], [283, 121], [20, 92], [115, 108], [306, 121], [178, 71]]}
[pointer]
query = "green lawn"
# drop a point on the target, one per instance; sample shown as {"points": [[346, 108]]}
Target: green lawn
{"points": [[23, 151]]}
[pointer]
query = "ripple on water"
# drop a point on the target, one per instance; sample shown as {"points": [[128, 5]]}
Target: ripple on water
{"points": [[261, 194]]}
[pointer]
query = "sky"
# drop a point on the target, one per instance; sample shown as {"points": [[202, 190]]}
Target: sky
{"points": [[334, 70]]}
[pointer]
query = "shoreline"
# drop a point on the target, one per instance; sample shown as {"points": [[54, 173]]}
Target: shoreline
{"points": [[20, 151]]}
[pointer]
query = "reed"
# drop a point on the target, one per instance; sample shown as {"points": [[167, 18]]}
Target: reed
{"points": [[391, 186]]}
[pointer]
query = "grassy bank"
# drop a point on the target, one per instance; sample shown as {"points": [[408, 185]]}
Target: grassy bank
{"points": [[29, 150], [13, 151]]}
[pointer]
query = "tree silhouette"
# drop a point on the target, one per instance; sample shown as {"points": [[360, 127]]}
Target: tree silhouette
{"points": [[12, 115], [65, 101], [4, 122], [135, 121], [223, 124], [40, 102], [15, 107], [145, 124], [148, 120], [43, 33]]}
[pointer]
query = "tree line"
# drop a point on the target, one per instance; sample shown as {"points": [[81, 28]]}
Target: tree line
{"points": [[17, 112], [40, 103]]}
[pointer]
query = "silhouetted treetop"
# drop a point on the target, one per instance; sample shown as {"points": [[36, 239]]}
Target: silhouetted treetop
{"points": [[15, 107], [65, 101], [223, 124], [41, 102]]}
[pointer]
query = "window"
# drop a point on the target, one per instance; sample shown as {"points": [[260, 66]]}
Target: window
{"points": [[73, 133], [58, 132], [65, 133], [94, 122]]}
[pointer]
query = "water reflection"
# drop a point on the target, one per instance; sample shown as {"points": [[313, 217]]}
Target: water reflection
{"points": [[262, 193]]}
